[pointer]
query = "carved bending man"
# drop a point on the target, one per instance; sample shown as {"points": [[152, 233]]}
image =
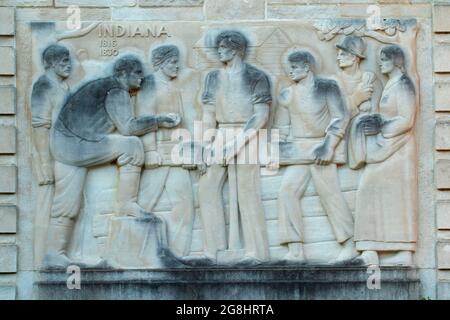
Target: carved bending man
{"points": [[48, 96], [97, 126], [312, 114], [160, 92], [236, 96], [362, 89]]}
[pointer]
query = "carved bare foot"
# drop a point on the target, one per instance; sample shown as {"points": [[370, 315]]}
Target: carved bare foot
{"points": [[248, 261], [295, 253]]}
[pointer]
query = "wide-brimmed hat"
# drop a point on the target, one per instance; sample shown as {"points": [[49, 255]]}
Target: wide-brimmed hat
{"points": [[353, 44]]}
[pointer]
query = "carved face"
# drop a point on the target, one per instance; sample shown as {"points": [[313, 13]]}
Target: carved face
{"points": [[298, 71], [63, 67], [170, 67], [135, 78], [225, 53], [345, 59], [386, 64]]}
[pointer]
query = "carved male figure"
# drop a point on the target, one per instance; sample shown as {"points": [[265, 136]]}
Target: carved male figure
{"points": [[48, 96], [97, 126], [237, 96], [386, 200], [362, 90], [161, 92], [313, 115]]}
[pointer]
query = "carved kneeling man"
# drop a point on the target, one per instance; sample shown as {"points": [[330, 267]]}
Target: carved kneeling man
{"points": [[96, 126]]}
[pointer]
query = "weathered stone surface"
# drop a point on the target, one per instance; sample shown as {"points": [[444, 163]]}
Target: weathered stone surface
{"points": [[8, 140], [7, 292], [157, 14], [234, 9], [7, 21], [8, 219], [8, 181], [27, 3], [441, 23], [8, 62], [313, 282], [443, 255], [8, 262], [442, 174], [98, 3], [8, 100], [441, 61], [170, 3], [442, 96], [442, 135], [443, 215]]}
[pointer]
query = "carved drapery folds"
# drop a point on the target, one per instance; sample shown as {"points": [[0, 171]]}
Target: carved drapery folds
{"points": [[171, 146]]}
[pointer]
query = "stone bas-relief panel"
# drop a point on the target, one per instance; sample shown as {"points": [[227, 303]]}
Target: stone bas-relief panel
{"points": [[189, 144]]}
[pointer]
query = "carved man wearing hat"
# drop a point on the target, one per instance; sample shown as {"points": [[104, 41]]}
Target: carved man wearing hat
{"points": [[361, 88]]}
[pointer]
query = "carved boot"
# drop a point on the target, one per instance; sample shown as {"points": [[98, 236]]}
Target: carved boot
{"points": [[348, 251], [129, 178], [58, 240], [369, 258], [296, 253]]}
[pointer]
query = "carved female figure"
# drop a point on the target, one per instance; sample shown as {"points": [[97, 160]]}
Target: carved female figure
{"points": [[385, 217]]}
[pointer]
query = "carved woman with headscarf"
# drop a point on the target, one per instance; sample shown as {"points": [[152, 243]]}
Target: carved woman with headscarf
{"points": [[386, 204]]}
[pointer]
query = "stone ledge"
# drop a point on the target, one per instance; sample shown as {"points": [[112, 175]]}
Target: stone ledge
{"points": [[218, 283], [171, 3]]}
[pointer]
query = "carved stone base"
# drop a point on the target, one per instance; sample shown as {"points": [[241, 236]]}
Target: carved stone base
{"points": [[311, 282]]}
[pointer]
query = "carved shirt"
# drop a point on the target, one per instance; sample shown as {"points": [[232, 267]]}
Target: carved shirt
{"points": [[47, 98], [233, 94], [99, 108], [398, 110], [314, 112]]}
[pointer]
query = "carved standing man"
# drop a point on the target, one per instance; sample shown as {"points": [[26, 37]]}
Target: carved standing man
{"points": [[386, 201], [159, 93], [314, 117], [236, 97], [97, 126], [47, 98], [362, 89]]}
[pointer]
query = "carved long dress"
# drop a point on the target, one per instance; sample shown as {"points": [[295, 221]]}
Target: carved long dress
{"points": [[386, 203]]}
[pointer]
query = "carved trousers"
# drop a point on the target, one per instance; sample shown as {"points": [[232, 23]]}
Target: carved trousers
{"points": [[293, 186], [177, 183], [73, 157], [250, 207]]}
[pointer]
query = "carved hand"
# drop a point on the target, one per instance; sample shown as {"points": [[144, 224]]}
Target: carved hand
{"points": [[47, 171], [372, 124], [152, 159], [168, 120], [323, 154], [363, 93]]}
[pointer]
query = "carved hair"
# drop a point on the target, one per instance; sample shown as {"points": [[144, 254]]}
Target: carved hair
{"points": [[54, 53], [303, 57], [233, 40], [162, 53], [126, 64], [395, 53]]}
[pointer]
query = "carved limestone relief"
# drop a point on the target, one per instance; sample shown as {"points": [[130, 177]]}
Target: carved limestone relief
{"points": [[157, 152]]}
